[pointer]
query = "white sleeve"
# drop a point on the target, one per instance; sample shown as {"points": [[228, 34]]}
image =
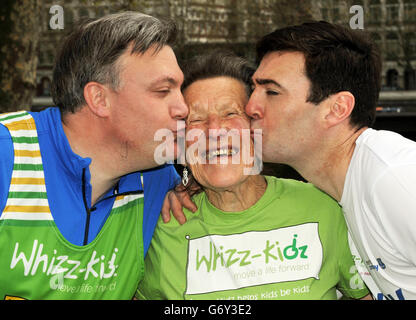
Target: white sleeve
{"points": [[394, 199]]}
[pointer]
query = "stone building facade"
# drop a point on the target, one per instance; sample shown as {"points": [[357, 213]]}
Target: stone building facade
{"points": [[237, 24]]}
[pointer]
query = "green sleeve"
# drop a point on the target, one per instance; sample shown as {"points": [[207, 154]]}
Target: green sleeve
{"points": [[350, 284]]}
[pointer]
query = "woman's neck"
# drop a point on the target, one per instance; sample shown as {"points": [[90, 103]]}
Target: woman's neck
{"points": [[239, 197]]}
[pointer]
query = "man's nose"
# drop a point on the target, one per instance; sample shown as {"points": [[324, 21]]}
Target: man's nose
{"points": [[179, 110], [253, 108]]}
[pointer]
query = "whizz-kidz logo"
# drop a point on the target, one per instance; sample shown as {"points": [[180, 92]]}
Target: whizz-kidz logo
{"points": [[218, 262], [37, 261], [226, 257], [218, 146]]}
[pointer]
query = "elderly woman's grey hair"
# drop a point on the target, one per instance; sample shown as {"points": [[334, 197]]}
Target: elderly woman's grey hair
{"points": [[91, 52], [218, 63]]}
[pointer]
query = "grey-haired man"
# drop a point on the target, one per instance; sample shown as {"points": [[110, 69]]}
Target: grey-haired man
{"points": [[73, 219]]}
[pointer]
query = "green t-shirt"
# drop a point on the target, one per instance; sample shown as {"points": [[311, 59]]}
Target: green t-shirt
{"points": [[291, 244]]}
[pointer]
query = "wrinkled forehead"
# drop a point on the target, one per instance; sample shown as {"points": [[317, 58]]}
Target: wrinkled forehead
{"points": [[216, 105], [215, 95]]}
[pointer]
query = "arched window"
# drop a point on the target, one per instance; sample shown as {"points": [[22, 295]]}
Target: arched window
{"points": [[41, 57], [325, 14], [336, 15], [83, 13], [409, 10], [374, 11], [410, 78], [50, 57], [392, 11], [100, 12], [391, 79], [392, 45], [45, 87], [68, 17], [377, 40], [410, 44]]}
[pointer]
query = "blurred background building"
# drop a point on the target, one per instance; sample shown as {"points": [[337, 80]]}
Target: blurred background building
{"points": [[238, 24]]}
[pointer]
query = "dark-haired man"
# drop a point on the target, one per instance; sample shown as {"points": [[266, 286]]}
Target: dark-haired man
{"points": [[79, 199], [315, 93]]}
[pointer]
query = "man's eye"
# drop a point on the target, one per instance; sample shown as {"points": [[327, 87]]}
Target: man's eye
{"points": [[163, 91], [272, 93]]}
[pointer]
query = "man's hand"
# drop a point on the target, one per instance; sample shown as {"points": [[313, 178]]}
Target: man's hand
{"points": [[174, 201]]}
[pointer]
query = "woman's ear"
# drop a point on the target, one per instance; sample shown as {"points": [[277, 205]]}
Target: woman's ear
{"points": [[339, 108], [96, 97]]}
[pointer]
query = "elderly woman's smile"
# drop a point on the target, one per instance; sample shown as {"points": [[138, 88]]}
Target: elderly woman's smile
{"points": [[216, 123], [220, 152]]}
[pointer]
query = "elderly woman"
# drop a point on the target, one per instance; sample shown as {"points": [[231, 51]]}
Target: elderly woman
{"points": [[253, 236]]}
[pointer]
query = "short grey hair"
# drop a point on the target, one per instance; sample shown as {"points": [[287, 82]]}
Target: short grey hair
{"points": [[218, 63], [91, 52]]}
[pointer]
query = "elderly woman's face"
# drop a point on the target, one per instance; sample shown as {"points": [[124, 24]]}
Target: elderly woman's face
{"points": [[217, 151]]}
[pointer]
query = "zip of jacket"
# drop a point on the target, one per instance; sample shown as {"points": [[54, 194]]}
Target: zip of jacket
{"points": [[88, 210]]}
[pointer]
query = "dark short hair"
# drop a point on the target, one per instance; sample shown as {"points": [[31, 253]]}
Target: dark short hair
{"points": [[91, 52], [218, 63], [336, 59]]}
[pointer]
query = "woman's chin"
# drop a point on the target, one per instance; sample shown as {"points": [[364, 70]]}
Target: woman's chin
{"points": [[223, 177]]}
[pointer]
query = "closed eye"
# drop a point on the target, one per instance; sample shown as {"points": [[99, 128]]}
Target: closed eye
{"points": [[194, 120], [162, 92], [272, 93]]}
